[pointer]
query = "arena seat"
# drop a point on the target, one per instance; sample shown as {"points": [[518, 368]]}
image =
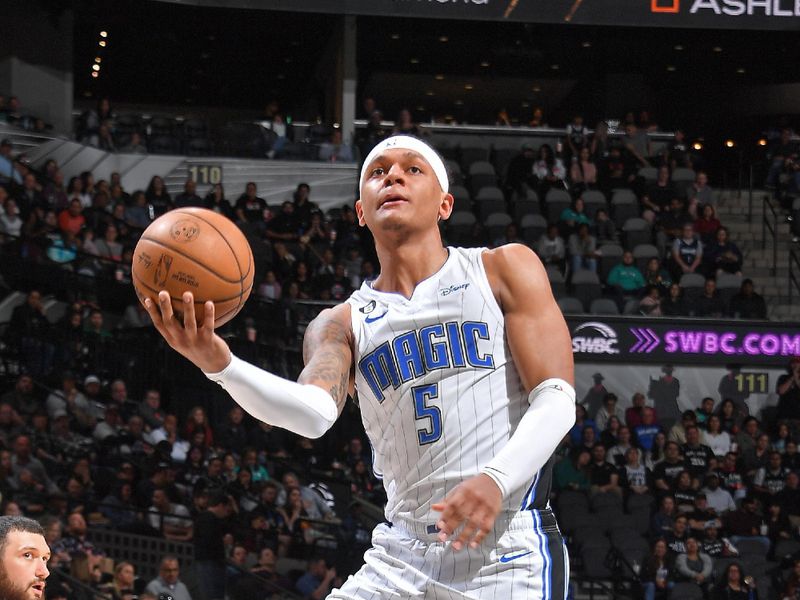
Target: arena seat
{"points": [[555, 201], [610, 255], [533, 226], [496, 224], [594, 200], [636, 231], [686, 590], [649, 174], [557, 282], [642, 254], [586, 287], [473, 154], [525, 207], [624, 206], [570, 305], [481, 175], [603, 306], [692, 285], [490, 200]]}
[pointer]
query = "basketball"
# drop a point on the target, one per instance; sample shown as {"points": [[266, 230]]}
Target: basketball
{"points": [[199, 251]]}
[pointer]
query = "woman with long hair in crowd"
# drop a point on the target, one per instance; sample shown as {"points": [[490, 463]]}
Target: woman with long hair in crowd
{"points": [[658, 572], [198, 421], [158, 196], [695, 566], [734, 585], [791, 590], [715, 437], [658, 451], [729, 419], [548, 169]]}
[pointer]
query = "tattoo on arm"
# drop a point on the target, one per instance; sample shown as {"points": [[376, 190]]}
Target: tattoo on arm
{"points": [[326, 352]]}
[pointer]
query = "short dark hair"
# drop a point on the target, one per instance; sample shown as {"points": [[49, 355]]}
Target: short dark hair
{"points": [[24, 524]]}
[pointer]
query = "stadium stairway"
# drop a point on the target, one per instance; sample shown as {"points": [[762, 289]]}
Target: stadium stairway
{"points": [[732, 211]]}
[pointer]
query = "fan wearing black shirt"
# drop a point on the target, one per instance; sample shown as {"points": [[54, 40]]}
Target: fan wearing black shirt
{"points": [[249, 207], [702, 516], [209, 550], [602, 475], [667, 471], [285, 226], [697, 456]]}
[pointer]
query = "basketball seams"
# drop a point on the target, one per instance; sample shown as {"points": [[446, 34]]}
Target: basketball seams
{"points": [[194, 260], [235, 257]]}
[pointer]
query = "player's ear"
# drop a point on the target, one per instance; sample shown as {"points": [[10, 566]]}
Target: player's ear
{"points": [[360, 213], [446, 206]]}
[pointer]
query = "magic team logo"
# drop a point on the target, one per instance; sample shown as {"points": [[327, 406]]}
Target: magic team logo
{"points": [[368, 308], [594, 337]]}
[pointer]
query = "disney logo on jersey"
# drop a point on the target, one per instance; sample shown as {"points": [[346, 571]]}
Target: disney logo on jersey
{"points": [[594, 337], [453, 288]]}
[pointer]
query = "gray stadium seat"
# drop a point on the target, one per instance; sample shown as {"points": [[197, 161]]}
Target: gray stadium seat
{"points": [[473, 154], [454, 172], [526, 207], [496, 224], [624, 206], [459, 227], [555, 202], [686, 590], [481, 174], [557, 283], [594, 199], [692, 285], [610, 255], [570, 305], [533, 226], [585, 287], [728, 285], [649, 174], [490, 200], [603, 306], [636, 231], [642, 255]]}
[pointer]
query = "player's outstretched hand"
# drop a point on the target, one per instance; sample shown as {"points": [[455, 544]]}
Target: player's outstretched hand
{"points": [[474, 504], [198, 344]]}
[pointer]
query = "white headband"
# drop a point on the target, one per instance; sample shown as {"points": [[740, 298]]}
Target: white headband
{"points": [[407, 142]]}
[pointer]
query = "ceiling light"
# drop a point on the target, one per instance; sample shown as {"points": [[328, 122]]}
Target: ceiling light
{"points": [[717, 49], [697, 146], [762, 142], [414, 61], [741, 71], [671, 68], [459, 102], [95, 74], [555, 67], [587, 44], [103, 34], [429, 93], [95, 67], [525, 105], [729, 143], [485, 63], [440, 78], [537, 89], [444, 38], [395, 36], [678, 47], [102, 43], [98, 60], [469, 86]]}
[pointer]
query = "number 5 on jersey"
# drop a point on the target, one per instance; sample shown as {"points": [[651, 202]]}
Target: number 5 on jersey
{"points": [[422, 394]]}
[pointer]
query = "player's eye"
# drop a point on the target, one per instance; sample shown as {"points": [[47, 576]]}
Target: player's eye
{"points": [[27, 555], [415, 169], [377, 171]]}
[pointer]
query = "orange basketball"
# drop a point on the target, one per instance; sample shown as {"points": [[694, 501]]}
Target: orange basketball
{"points": [[195, 250]]}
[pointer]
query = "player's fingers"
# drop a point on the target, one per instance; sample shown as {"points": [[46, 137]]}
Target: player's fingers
{"points": [[155, 316], [208, 318], [485, 526], [165, 305], [465, 536], [189, 320]]}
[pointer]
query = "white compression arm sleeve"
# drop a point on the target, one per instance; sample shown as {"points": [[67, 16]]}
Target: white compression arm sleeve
{"points": [[307, 410], [549, 418]]}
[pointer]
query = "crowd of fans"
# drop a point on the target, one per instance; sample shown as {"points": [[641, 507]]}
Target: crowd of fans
{"points": [[718, 483]]}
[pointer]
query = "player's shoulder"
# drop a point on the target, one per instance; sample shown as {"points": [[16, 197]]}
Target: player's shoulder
{"points": [[331, 323], [511, 259]]}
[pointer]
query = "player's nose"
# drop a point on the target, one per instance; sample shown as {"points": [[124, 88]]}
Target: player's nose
{"points": [[394, 175], [42, 571]]}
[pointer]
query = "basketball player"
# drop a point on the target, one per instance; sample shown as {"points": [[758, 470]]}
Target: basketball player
{"points": [[23, 559], [463, 367]]}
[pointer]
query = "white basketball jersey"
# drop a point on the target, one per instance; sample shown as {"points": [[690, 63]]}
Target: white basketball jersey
{"points": [[438, 390]]}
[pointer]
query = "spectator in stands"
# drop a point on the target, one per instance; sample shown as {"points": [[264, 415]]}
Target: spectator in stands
{"points": [[667, 471], [137, 214], [250, 208], [317, 582], [215, 200], [572, 216], [548, 169], [304, 208], [600, 145], [658, 572], [715, 438], [135, 145], [788, 390], [209, 529], [168, 581], [745, 524], [756, 457], [658, 195], [702, 515], [634, 413], [647, 430], [571, 472], [656, 275], [158, 196], [75, 542], [336, 150], [550, 248], [55, 193], [676, 537], [698, 456], [583, 171], [709, 303], [71, 219], [108, 246], [171, 519], [232, 435], [583, 249], [678, 152], [588, 439], [779, 528], [405, 125], [604, 229], [637, 142], [669, 224], [373, 133], [577, 138], [677, 432], [22, 398], [707, 224], [285, 226], [770, 479], [695, 565], [609, 409], [30, 329], [650, 303], [699, 194], [684, 491], [10, 221], [189, 196], [729, 413], [780, 151], [718, 498], [8, 170], [687, 250], [663, 520], [747, 304], [634, 477], [603, 477], [519, 173], [582, 421], [105, 141], [625, 278]]}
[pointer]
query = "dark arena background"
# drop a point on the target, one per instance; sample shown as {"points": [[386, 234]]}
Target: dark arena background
{"points": [[645, 149]]}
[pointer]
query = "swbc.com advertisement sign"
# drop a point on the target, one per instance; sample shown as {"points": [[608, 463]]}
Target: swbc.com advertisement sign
{"points": [[734, 14], [686, 341]]}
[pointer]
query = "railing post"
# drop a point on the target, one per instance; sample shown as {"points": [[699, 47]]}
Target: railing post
{"points": [[750, 197], [763, 222]]}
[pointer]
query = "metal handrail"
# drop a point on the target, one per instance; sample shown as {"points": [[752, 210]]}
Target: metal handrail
{"points": [[772, 227], [87, 590], [270, 585], [794, 279]]}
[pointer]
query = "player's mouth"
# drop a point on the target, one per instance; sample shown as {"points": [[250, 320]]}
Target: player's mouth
{"points": [[38, 589], [391, 200]]}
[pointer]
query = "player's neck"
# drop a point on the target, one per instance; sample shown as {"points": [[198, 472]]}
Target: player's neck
{"points": [[405, 265]]}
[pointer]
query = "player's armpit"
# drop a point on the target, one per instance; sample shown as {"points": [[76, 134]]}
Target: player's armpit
{"points": [[537, 333], [328, 354]]}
